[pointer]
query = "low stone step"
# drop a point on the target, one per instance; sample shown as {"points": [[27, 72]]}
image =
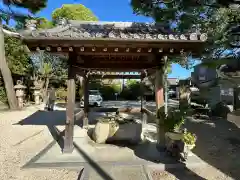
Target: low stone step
{"points": [[118, 173]]}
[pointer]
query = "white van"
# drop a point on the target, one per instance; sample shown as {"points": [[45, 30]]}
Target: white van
{"points": [[95, 99]]}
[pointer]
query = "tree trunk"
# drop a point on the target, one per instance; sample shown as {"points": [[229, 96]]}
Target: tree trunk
{"points": [[184, 99], [45, 90], [6, 74], [46, 85]]}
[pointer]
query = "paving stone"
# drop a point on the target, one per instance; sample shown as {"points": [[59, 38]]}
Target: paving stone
{"points": [[157, 175], [174, 174], [120, 173]]}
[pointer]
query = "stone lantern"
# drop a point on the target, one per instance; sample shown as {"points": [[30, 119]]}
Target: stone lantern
{"points": [[36, 93], [20, 93]]}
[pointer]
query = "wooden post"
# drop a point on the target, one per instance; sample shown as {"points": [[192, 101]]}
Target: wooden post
{"points": [[143, 116], [71, 91], [159, 84], [86, 102], [141, 89]]}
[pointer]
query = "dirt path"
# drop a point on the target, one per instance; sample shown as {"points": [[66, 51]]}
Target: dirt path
{"points": [[18, 144]]}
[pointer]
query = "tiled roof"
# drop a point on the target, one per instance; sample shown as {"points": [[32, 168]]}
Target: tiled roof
{"points": [[173, 81], [110, 30]]}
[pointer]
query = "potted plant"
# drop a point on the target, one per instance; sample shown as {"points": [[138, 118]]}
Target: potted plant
{"points": [[178, 141], [173, 132], [189, 140], [173, 124]]}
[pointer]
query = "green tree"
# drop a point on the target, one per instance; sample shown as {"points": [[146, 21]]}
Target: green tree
{"points": [[6, 14], [131, 82], [132, 91], [17, 58], [32, 5], [74, 12], [67, 11], [44, 23], [216, 18], [213, 17], [48, 67]]}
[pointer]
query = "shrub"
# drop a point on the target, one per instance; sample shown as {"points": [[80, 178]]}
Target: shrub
{"points": [[80, 93], [108, 92], [174, 121], [3, 95], [221, 110], [189, 138], [132, 91], [61, 93]]}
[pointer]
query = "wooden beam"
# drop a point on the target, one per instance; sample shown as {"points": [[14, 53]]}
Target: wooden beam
{"points": [[70, 117], [105, 74], [115, 76], [195, 46], [116, 53], [149, 116], [118, 66]]}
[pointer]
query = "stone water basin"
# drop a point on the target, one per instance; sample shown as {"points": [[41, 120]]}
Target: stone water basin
{"points": [[114, 128]]}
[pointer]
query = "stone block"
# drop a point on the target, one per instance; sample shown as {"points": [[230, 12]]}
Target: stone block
{"points": [[101, 132], [130, 132]]}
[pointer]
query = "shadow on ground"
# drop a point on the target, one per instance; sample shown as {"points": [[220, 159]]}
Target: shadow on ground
{"points": [[61, 104], [48, 118], [56, 118], [178, 169], [84, 173], [148, 151], [218, 144], [51, 119]]}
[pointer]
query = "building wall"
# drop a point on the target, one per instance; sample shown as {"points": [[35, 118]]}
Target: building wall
{"points": [[227, 92], [213, 96], [203, 74], [111, 81], [221, 91]]}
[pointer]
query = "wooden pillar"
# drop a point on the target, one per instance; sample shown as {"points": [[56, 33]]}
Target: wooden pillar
{"points": [[86, 101], [143, 115], [70, 117], [159, 85], [159, 97], [142, 92]]}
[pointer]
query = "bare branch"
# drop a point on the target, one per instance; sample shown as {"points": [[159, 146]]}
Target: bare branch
{"points": [[12, 34]]}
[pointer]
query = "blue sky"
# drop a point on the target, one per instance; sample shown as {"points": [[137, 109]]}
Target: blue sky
{"points": [[111, 10]]}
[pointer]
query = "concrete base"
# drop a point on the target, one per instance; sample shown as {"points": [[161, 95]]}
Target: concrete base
{"points": [[68, 150], [234, 117], [103, 161], [136, 172], [88, 152]]}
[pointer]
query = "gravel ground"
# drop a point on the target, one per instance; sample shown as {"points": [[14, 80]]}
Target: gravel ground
{"points": [[203, 173], [218, 145], [18, 144]]}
